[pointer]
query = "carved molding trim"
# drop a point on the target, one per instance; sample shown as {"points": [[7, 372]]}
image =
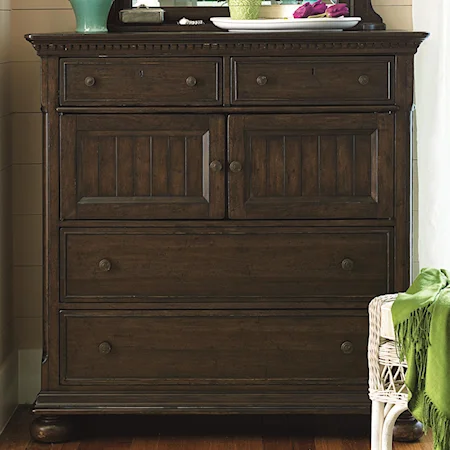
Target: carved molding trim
{"points": [[125, 47]]}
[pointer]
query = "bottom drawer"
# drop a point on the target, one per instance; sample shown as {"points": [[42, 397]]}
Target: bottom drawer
{"points": [[212, 347]]}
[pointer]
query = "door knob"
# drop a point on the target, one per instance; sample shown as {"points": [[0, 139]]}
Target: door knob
{"points": [[215, 166], [235, 166]]}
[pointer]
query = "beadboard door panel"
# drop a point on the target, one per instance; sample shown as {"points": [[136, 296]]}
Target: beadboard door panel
{"points": [[311, 166], [142, 166]]}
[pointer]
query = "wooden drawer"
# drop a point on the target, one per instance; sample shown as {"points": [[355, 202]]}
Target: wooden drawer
{"points": [[317, 81], [222, 348], [150, 81], [225, 265]]}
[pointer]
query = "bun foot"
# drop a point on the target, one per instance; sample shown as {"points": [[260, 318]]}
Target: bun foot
{"points": [[407, 429], [52, 429]]}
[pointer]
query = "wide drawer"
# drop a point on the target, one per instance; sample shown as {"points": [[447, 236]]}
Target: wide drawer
{"points": [[297, 81], [217, 265], [150, 81], [233, 347]]}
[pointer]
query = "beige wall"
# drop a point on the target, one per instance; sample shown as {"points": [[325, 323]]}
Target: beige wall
{"points": [[32, 16], [397, 14], [29, 16], [8, 351]]}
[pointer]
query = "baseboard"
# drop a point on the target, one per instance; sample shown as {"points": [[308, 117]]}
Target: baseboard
{"points": [[29, 374], [8, 389]]}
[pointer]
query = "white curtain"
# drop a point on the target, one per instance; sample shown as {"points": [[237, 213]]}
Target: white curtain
{"points": [[432, 98]]}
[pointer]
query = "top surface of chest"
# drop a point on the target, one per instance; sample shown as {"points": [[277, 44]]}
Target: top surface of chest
{"points": [[192, 43]]}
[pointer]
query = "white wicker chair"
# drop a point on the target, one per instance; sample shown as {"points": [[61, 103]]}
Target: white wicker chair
{"points": [[387, 388]]}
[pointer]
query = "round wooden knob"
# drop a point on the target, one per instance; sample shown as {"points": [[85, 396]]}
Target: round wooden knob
{"points": [[363, 80], [191, 81], [261, 80], [89, 81], [216, 166], [104, 348], [105, 265], [347, 347], [347, 264], [235, 166]]}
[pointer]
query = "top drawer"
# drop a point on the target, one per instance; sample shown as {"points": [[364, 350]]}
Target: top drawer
{"points": [[149, 81], [317, 81]]}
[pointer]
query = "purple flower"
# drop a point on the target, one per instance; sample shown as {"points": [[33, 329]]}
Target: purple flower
{"points": [[337, 10], [310, 9], [319, 7]]}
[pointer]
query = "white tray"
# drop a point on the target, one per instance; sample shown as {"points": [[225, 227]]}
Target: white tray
{"points": [[277, 25]]}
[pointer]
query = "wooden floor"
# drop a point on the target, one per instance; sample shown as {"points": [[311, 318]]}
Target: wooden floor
{"points": [[207, 433]]}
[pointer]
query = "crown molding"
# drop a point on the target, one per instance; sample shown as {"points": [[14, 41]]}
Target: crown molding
{"points": [[145, 44]]}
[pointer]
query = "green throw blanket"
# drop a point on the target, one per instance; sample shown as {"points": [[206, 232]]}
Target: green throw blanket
{"points": [[421, 318]]}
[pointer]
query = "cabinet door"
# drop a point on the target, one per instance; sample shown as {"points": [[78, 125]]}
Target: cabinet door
{"points": [[333, 166], [116, 166]]}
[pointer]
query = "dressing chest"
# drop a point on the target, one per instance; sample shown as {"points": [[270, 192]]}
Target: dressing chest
{"points": [[219, 210]]}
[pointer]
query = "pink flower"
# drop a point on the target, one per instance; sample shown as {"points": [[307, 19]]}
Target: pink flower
{"points": [[337, 10], [310, 9]]}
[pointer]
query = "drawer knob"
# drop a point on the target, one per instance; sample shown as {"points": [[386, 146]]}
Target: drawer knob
{"points": [[89, 81], [105, 265], [235, 166], [363, 80], [261, 80], [216, 166], [347, 264], [104, 348], [191, 81], [347, 348]]}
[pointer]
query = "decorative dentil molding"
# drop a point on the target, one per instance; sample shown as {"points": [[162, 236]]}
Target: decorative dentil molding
{"points": [[60, 49]]}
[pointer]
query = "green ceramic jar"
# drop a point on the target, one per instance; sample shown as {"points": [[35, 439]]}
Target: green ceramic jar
{"points": [[244, 9], [91, 15]]}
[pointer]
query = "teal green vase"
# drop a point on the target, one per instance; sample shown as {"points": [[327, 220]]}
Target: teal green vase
{"points": [[91, 15]]}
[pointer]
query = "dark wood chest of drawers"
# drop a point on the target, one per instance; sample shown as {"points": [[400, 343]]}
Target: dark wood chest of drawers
{"points": [[219, 210]]}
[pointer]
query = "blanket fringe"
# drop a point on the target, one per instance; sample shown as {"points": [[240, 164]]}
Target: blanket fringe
{"points": [[414, 334], [434, 419]]}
